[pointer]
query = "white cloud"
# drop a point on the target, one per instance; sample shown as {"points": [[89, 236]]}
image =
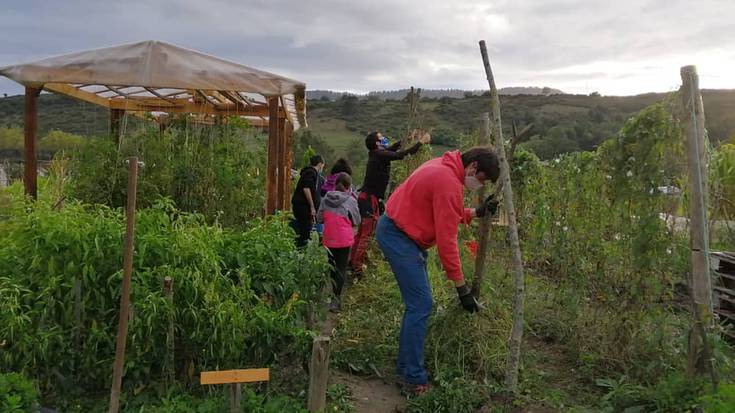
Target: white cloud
{"points": [[620, 47]]}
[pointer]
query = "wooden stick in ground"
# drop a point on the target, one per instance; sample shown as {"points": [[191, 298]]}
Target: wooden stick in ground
{"points": [[318, 374], [168, 291], [516, 336], [483, 231], [122, 331], [701, 288]]}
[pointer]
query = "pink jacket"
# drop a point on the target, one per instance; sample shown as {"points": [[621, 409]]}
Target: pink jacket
{"points": [[339, 213]]}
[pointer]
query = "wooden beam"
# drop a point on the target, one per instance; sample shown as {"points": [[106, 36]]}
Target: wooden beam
{"points": [[30, 132], [272, 164], [68, 90], [234, 376]]}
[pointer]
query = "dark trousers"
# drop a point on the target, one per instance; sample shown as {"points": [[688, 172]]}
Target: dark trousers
{"points": [[302, 226], [338, 258]]}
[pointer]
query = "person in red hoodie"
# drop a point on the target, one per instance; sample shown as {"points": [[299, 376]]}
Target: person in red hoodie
{"points": [[426, 210]]}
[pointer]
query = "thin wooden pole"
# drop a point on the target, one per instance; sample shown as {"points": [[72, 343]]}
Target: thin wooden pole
{"points": [[30, 131], [516, 335], [272, 164], [122, 330], [168, 291], [483, 232], [318, 374], [701, 287]]}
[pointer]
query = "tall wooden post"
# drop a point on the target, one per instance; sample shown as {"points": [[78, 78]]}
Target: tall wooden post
{"points": [[116, 116], [271, 176], [30, 131], [700, 282], [281, 159], [286, 176], [483, 231], [516, 335], [122, 330]]}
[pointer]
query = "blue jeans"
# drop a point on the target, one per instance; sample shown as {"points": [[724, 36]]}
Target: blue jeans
{"points": [[408, 263]]}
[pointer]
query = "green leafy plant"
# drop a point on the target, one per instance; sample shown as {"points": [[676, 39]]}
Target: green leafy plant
{"points": [[17, 394]]}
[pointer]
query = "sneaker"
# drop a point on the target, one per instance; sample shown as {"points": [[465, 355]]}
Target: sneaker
{"points": [[336, 305], [416, 390]]}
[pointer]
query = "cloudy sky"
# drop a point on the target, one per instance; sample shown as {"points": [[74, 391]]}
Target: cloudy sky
{"points": [[615, 47]]}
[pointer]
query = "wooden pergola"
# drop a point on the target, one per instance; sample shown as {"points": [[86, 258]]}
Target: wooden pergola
{"points": [[154, 76]]}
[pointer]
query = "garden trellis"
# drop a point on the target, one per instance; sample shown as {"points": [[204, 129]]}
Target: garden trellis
{"points": [[159, 77]]}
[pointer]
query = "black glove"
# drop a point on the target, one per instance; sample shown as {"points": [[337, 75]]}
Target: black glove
{"points": [[468, 300], [490, 205]]}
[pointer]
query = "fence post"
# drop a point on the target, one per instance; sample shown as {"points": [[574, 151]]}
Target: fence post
{"points": [[483, 232], [122, 331], [700, 283], [318, 374]]}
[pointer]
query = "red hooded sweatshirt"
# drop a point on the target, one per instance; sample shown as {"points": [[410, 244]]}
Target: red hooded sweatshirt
{"points": [[428, 207]]}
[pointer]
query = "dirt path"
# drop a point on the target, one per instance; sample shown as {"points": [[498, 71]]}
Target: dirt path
{"points": [[370, 395]]}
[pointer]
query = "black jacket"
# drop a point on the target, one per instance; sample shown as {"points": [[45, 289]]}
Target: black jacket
{"points": [[377, 172], [308, 178]]}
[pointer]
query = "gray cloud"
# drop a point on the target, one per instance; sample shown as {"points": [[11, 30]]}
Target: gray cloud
{"points": [[620, 47]]}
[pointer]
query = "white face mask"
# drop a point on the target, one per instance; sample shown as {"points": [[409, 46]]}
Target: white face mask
{"points": [[472, 183]]}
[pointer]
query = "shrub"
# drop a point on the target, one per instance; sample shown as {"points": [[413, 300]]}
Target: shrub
{"points": [[17, 394]]}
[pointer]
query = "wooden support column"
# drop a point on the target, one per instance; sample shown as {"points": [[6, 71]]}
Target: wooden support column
{"points": [[116, 116], [30, 129], [282, 172], [287, 167], [699, 280], [271, 176]]}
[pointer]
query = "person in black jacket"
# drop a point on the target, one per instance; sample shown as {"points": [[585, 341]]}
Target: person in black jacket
{"points": [[306, 199], [377, 175]]}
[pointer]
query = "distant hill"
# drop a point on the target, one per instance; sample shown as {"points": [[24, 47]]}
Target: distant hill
{"points": [[562, 123], [430, 93]]}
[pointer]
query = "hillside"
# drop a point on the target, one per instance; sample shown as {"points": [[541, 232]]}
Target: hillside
{"points": [[561, 123], [432, 93]]}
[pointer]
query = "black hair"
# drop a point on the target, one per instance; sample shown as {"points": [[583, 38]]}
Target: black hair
{"points": [[371, 140], [487, 161], [343, 182], [341, 166], [316, 160]]}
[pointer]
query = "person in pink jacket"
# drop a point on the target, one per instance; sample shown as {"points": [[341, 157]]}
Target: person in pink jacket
{"points": [[339, 213]]}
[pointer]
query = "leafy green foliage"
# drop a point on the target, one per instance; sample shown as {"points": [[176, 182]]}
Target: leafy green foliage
{"points": [[218, 172], [239, 296], [17, 394]]}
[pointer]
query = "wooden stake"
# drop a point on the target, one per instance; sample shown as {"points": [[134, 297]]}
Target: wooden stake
{"points": [[30, 129], [281, 161], [235, 396], [272, 163], [483, 231], [122, 330], [168, 291], [701, 287], [318, 374], [516, 336]]}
